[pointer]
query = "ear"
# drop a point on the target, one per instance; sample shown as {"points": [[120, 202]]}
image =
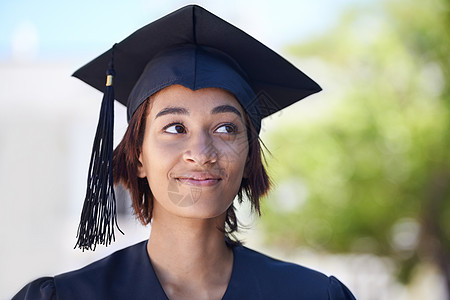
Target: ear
{"points": [[140, 168]]}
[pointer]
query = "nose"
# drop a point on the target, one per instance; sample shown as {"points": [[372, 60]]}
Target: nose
{"points": [[201, 150]]}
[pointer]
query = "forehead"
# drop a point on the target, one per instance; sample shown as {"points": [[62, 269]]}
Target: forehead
{"points": [[180, 96]]}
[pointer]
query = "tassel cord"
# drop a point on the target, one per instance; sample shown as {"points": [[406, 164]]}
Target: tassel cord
{"points": [[99, 216]]}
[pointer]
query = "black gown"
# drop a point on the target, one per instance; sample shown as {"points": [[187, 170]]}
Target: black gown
{"points": [[128, 274]]}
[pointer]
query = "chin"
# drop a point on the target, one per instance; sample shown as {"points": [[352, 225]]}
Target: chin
{"points": [[200, 208]]}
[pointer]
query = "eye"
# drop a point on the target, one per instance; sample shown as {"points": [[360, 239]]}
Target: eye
{"points": [[175, 128], [226, 128]]}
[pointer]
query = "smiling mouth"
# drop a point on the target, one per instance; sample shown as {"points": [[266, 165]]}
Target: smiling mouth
{"points": [[199, 182]]}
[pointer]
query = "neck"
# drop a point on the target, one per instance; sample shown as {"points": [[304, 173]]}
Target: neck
{"points": [[190, 256]]}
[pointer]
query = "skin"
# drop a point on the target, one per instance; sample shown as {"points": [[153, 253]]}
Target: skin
{"points": [[193, 155]]}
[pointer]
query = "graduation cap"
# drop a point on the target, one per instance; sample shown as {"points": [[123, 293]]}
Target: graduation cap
{"points": [[196, 49]]}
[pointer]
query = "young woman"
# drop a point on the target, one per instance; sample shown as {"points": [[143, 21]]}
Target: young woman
{"points": [[196, 89]]}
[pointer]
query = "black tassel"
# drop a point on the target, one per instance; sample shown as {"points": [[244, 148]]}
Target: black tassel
{"points": [[98, 216]]}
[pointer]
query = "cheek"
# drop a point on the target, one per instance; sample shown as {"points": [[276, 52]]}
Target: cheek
{"points": [[159, 156], [233, 158], [235, 152], [154, 157]]}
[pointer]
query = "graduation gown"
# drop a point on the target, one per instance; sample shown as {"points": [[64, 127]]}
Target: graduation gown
{"points": [[128, 274]]}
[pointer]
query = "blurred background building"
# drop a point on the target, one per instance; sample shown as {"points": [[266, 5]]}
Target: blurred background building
{"points": [[361, 170]]}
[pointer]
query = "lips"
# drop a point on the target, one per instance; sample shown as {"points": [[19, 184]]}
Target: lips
{"points": [[199, 179]]}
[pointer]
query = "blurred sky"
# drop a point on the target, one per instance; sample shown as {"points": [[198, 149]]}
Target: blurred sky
{"points": [[51, 29]]}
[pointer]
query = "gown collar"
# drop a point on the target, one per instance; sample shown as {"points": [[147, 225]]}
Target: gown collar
{"points": [[241, 282]]}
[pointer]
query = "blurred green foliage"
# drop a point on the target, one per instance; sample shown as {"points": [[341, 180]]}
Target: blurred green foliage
{"points": [[373, 174]]}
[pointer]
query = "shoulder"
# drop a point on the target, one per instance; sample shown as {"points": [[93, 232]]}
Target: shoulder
{"points": [[110, 275], [108, 278], [275, 270], [287, 280], [42, 288], [112, 264]]}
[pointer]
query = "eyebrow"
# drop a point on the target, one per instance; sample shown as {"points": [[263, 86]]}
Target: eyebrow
{"points": [[226, 109], [172, 111]]}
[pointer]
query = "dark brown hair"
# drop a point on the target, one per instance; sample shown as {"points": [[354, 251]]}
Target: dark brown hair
{"points": [[126, 162]]}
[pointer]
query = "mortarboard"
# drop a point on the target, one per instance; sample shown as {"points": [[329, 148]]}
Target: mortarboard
{"points": [[191, 47]]}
